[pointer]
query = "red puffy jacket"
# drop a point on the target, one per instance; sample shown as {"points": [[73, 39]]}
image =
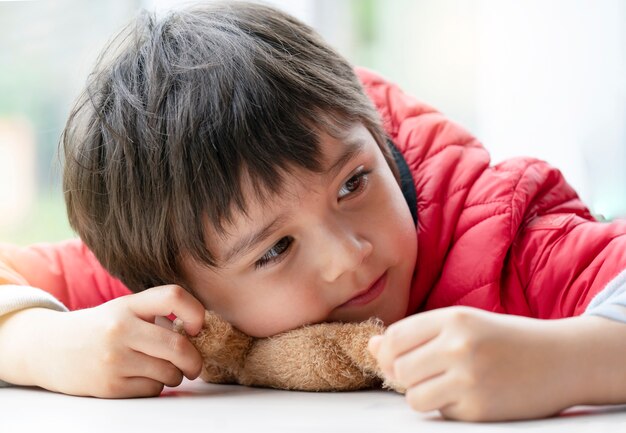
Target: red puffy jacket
{"points": [[511, 238]]}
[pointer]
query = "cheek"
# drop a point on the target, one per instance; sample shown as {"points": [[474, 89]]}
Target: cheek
{"points": [[273, 309], [403, 225], [264, 320], [398, 223]]}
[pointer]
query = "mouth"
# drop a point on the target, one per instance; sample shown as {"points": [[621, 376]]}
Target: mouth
{"points": [[369, 294]]}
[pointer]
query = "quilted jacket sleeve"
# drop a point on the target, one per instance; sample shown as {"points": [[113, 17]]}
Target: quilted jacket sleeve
{"points": [[562, 257], [67, 271], [568, 261]]}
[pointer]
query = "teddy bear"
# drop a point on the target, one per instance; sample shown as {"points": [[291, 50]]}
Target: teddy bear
{"points": [[321, 357]]}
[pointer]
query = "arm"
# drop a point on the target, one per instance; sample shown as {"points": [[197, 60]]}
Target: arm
{"points": [[474, 365], [52, 276], [15, 298], [598, 350], [113, 350]]}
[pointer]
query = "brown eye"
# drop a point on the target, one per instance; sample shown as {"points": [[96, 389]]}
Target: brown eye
{"points": [[276, 253], [355, 184]]}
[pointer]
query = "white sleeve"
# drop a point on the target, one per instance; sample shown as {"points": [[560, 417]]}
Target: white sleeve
{"points": [[15, 298], [611, 301]]}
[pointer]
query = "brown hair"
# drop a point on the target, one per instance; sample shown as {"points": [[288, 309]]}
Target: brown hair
{"points": [[177, 110]]}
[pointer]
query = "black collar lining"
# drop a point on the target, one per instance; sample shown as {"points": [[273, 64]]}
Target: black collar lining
{"points": [[406, 180]]}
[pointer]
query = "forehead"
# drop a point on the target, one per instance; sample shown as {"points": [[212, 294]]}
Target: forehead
{"points": [[336, 148]]}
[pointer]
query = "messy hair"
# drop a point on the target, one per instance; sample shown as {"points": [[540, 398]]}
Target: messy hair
{"points": [[178, 110]]}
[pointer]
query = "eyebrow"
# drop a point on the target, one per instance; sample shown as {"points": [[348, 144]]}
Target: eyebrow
{"points": [[354, 147]]}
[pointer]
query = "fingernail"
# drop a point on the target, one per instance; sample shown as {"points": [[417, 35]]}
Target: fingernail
{"points": [[388, 374], [374, 344]]}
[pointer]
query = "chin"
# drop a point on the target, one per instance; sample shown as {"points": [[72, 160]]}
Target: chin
{"points": [[396, 311], [391, 318]]}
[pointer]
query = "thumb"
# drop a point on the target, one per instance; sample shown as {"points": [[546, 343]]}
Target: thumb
{"points": [[374, 344]]}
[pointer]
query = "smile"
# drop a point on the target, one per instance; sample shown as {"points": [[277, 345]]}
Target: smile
{"points": [[368, 295]]}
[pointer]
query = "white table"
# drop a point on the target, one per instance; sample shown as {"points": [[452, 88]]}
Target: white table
{"points": [[199, 407]]}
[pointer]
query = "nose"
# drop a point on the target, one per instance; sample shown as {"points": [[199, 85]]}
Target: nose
{"points": [[341, 251]]}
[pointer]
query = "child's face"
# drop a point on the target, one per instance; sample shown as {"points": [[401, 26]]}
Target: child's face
{"points": [[329, 239]]}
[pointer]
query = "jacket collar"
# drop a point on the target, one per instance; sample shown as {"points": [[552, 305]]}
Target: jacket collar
{"points": [[407, 183]]}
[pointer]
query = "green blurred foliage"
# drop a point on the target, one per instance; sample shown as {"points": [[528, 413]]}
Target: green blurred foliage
{"points": [[46, 52], [47, 222]]}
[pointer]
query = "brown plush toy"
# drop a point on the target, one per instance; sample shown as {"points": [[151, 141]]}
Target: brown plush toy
{"points": [[323, 357]]}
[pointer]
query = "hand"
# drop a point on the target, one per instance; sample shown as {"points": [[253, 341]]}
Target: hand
{"points": [[474, 365], [114, 350]]}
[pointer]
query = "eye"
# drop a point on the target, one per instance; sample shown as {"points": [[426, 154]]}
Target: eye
{"points": [[355, 184], [276, 253]]}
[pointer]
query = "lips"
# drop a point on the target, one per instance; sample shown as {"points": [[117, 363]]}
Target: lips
{"points": [[368, 295]]}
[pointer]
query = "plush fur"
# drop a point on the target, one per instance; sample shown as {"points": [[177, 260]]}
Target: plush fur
{"points": [[323, 357]]}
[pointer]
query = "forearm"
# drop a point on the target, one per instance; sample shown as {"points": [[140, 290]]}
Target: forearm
{"points": [[15, 299], [594, 359], [21, 344]]}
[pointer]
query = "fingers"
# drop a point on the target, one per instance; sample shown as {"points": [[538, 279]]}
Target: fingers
{"points": [[419, 365], [146, 333], [131, 387], [373, 345], [159, 370], [166, 300], [423, 373], [165, 344], [404, 336], [432, 394], [139, 387], [141, 376]]}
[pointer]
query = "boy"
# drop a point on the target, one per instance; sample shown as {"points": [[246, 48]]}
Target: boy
{"points": [[228, 151]]}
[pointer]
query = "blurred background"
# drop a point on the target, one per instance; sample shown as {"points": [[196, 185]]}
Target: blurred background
{"points": [[544, 78]]}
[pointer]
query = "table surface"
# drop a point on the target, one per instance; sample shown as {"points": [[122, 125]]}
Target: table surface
{"points": [[200, 407]]}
